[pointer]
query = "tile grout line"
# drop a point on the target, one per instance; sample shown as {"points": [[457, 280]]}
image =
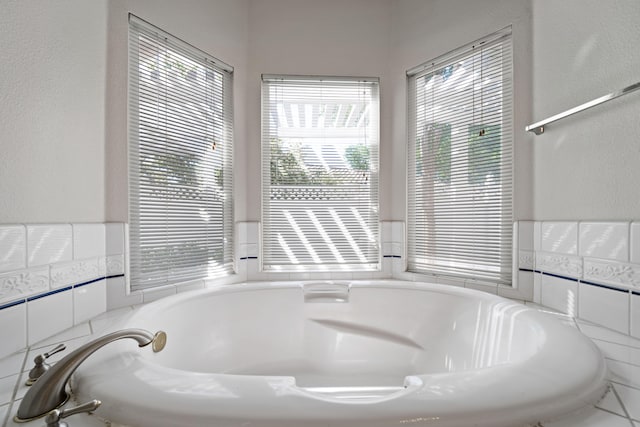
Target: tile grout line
{"points": [[624, 385], [16, 387], [624, 408]]}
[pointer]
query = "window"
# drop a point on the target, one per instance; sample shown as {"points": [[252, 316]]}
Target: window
{"points": [[319, 173], [460, 162], [180, 151]]}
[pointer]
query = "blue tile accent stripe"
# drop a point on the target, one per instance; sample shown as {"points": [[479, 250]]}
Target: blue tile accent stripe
{"points": [[600, 285], [12, 304], [46, 294], [79, 285], [573, 279], [586, 282], [56, 291]]}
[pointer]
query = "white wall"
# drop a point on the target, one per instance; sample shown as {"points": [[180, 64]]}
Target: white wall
{"points": [[586, 166], [310, 37], [424, 30], [52, 89], [218, 27], [58, 111]]}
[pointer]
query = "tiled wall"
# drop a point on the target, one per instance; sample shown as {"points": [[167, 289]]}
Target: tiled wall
{"points": [[54, 276], [589, 270]]}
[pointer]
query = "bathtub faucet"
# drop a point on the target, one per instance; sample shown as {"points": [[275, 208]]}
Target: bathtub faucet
{"points": [[49, 392]]}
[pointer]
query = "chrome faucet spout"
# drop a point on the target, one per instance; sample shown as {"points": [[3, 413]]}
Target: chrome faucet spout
{"points": [[49, 391]]}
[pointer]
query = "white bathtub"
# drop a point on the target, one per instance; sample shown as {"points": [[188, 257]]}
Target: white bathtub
{"points": [[374, 354]]}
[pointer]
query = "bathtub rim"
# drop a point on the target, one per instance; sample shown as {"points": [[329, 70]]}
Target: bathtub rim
{"points": [[579, 398]]}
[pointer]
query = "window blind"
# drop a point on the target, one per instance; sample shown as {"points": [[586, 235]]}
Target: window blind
{"points": [[460, 174], [319, 173], [180, 154]]}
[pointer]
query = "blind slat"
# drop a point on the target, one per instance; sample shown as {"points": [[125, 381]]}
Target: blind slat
{"points": [[180, 153], [460, 163], [320, 166]]}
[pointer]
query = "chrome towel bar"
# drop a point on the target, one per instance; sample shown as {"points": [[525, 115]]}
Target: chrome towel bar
{"points": [[538, 127]]}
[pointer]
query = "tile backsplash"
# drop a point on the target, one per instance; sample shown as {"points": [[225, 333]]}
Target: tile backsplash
{"points": [[53, 276], [587, 269]]}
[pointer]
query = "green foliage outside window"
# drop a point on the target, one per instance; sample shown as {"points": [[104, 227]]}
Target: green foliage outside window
{"points": [[435, 146], [484, 153], [358, 157]]}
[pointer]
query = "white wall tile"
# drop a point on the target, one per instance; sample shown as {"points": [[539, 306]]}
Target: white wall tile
{"points": [[13, 333], [635, 242], [609, 240], [49, 315], [48, 244], [559, 237], [635, 315], [241, 233], [385, 231], [117, 296], [88, 241], [89, 301], [114, 238], [537, 288], [13, 247], [560, 294], [604, 306], [252, 250], [523, 289], [253, 232], [397, 231], [537, 235], [525, 235], [23, 283]]}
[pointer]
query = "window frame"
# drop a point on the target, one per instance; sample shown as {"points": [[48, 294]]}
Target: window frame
{"points": [[211, 172], [505, 270], [267, 263]]}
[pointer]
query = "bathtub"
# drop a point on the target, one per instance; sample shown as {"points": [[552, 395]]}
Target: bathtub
{"points": [[374, 354]]}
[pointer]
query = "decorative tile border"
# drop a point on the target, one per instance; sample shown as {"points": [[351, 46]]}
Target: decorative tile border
{"points": [[114, 264], [23, 283], [75, 272], [566, 265], [526, 259], [611, 272]]}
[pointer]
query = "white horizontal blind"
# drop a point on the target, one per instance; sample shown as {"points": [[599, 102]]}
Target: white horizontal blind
{"points": [[319, 173], [180, 154], [460, 174]]}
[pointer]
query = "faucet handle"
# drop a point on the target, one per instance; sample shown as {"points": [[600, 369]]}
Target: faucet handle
{"points": [[53, 418], [40, 365]]}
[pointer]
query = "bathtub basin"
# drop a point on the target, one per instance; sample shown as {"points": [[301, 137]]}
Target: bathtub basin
{"points": [[374, 354]]}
